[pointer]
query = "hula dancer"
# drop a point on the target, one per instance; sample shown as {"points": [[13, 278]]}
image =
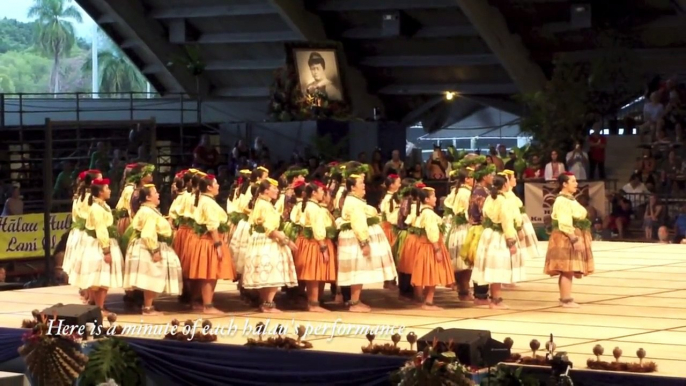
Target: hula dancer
{"points": [[483, 179], [152, 266], [405, 208], [121, 211], [269, 259], [294, 175], [569, 252], [390, 206], [527, 237], [432, 265], [181, 214], [364, 255], [409, 248], [99, 268], [241, 236], [458, 229], [498, 260], [211, 259], [316, 252]]}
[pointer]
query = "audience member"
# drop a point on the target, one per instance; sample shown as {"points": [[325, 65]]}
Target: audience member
{"points": [[14, 206], [553, 168], [205, 156], [620, 217], [534, 170], [596, 154], [663, 235], [652, 216], [577, 161]]}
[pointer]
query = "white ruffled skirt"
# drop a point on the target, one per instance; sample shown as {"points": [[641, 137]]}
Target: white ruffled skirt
{"points": [[268, 264], [140, 272], [493, 263], [354, 268], [454, 241], [91, 271], [239, 245]]}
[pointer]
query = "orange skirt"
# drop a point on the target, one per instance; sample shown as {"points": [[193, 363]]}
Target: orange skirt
{"points": [[388, 231], [312, 266], [180, 240], [122, 224], [299, 241], [190, 247], [408, 254], [427, 271], [204, 262]]}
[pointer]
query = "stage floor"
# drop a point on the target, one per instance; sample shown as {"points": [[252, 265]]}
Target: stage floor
{"points": [[634, 300]]}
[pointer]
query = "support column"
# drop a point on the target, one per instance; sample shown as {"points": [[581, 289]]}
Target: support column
{"points": [[514, 57]]}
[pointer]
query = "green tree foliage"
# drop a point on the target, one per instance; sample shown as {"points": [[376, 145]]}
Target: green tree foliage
{"points": [[28, 72], [117, 75], [15, 35], [580, 92]]}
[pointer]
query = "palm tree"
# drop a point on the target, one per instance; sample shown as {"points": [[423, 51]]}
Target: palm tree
{"points": [[55, 35], [6, 83], [117, 75]]}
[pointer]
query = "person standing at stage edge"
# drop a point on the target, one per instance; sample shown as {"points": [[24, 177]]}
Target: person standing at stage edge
{"points": [[569, 249]]}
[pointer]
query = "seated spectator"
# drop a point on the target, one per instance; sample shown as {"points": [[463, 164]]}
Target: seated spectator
{"points": [[205, 156], [63, 184], [620, 217], [646, 163], [663, 235], [585, 201], [653, 113], [534, 170], [662, 144], [672, 173], [636, 191], [597, 231], [652, 216], [675, 114], [14, 206]]}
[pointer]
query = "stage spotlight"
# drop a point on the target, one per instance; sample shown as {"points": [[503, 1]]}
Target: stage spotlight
{"points": [[449, 95]]}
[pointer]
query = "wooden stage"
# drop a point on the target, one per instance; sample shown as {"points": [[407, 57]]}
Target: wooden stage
{"points": [[634, 300]]}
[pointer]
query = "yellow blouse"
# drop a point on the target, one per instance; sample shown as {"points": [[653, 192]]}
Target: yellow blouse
{"points": [[318, 218], [430, 222], [209, 213], [80, 208], [371, 211], [125, 198], [565, 211], [354, 213], [230, 207], [515, 204], [411, 218], [449, 200], [176, 207], [296, 212], [500, 212], [243, 203], [149, 222], [461, 200], [390, 215], [280, 203], [264, 213], [98, 220]]}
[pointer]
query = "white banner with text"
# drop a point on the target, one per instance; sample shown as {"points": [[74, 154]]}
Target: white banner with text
{"points": [[539, 198]]}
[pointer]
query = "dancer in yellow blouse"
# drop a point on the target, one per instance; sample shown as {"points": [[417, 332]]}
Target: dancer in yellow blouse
{"points": [[364, 255], [232, 209], [211, 260], [294, 175], [458, 228], [124, 203], [100, 266], [151, 264], [77, 240], [432, 266], [317, 253], [498, 259], [390, 206], [569, 248], [408, 253], [528, 240], [269, 260], [241, 236]]}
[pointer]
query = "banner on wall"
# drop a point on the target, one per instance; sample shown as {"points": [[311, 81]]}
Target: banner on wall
{"points": [[23, 236], [539, 198]]}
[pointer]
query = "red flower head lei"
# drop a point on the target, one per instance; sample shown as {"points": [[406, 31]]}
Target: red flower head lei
{"points": [[420, 185], [181, 173], [131, 166], [83, 174], [568, 174], [210, 177], [393, 176], [240, 181], [101, 182], [298, 184], [319, 184]]}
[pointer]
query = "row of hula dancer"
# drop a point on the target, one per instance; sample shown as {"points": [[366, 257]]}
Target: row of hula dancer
{"points": [[128, 247], [307, 234]]}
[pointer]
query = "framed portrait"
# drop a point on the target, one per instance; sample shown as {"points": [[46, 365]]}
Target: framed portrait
{"points": [[318, 72]]}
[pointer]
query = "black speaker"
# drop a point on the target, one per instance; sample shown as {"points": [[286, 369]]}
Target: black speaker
{"points": [[472, 347], [76, 315]]}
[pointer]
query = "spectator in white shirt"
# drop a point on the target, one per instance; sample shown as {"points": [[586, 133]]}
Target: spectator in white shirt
{"points": [[653, 112], [553, 168]]}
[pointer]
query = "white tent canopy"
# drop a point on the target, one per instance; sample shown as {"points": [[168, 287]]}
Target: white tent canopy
{"points": [[485, 123]]}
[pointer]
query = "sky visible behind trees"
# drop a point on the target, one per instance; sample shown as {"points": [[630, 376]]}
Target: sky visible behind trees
{"points": [[48, 50]]}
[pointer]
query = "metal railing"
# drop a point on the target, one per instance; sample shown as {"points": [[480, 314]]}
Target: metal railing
{"points": [[31, 109]]}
